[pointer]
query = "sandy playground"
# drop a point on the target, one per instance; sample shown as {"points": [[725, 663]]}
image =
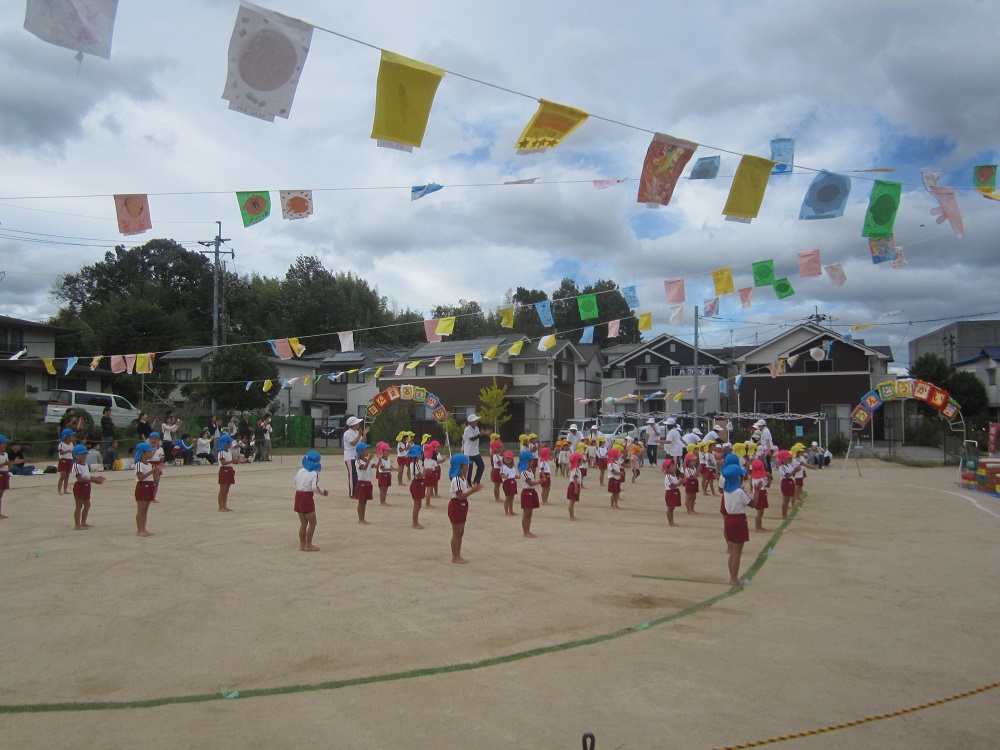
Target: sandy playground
{"points": [[879, 595]]}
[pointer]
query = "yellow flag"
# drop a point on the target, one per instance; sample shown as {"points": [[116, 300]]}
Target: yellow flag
{"points": [[551, 124], [49, 368], [413, 365], [646, 321], [268, 385], [459, 361], [445, 327], [515, 348], [506, 317], [546, 342], [378, 372], [747, 192], [723, 278], [861, 326], [491, 352], [296, 347], [404, 95], [95, 362], [679, 395], [307, 380], [143, 363], [351, 372]]}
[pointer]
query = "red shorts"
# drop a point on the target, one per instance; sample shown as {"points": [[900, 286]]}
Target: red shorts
{"points": [[65, 465], [544, 479], [458, 510], [762, 500], [691, 486], [384, 479], [81, 491], [495, 475], [417, 489], [529, 498], [711, 474], [227, 475], [304, 502], [614, 486], [145, 492], [736, 528], [799, 481], [363, 491], [787, 487], [703, 470], [673, 498], [4, 480], [510, 487], [402, 461], [722, 505], [602, 463], [573, 492], [433, 477], [583, 469]]}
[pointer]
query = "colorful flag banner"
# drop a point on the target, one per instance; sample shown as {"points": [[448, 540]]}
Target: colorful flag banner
{"points": [[984, 179], [400, 367], [70, 364], [929, 176], [282, 348], [419, 191], [810, 264], [117, 364], [836, 274], [295, 204], [746, 296], [947, 208], [477, 356], [783, 153], [792, 360], [631, 297], [773, 369], [614, 328], [783, 288], [666, 158], [144, 363], [94, 363], [723, 388], [515, 348], [378, 372], [544, 310], [274, 347], [434, 362], [587, 303], [445, 326], [528, 181], [882, 206], [297, 348], [676, 294], [129, 363], [404, 95], [18, 355], [846, 338], [817, 353], [346, 341], [491, 353], [679, 395], [781, 367], [546, 342], [548, 127], [247, 386], [739, 381], [133, 214], [826, 196], [86, 27], [255, 206], [861, 326], [763, 273], [459, 361], [646, 321], [605, 184], [587, 337], [307, 380], [268, 385], [267, 52], [430, 326], [749, 184], [677, 315], [722, 278], [706, 168], [900, 260], [506, 317], [711, 308], [883, 249]]}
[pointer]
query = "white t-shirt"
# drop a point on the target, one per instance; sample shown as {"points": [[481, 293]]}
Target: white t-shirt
{"points": [[507, 472], [766, 442], [202, 445], [81, 471], [675, 444], [225, 458], [364, 466], [544, 467], [670, 481], [458, 484], [350, 444], [574, 437], [652, 434], [470, 440], [736, 502], [143, 468], [691, 439], [306, 481], [3, 462]]}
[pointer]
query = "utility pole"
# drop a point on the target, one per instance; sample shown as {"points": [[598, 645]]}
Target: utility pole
{"points": [[948, 342], [216, 243], [695, 400]]}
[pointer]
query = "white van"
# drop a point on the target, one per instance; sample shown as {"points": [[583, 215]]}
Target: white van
{"points": [[91, 402]]}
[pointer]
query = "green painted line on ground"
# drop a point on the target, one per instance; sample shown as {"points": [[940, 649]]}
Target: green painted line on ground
{"points": [[684, 580]]}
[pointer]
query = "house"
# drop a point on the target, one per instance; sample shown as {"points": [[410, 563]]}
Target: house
{"points": [[984, 366], [352, 390], [957, 341]]}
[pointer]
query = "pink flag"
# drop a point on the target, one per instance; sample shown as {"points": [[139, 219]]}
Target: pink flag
{"points": [[677, 315], [283, 348], [701, 389], [810, 264], [613, 327], [947, 208], [133, 214], [429, 327], [836, 274], [745, 296], [118, 364], [773, 369], [666, 158], [675, 291], [436, 360], [129, 363], [399, 368], [602, 184]]}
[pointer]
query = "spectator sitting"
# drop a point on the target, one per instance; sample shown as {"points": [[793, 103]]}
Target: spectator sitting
{"points": [[183, 449], [94, 460], [15, 458], [111, 455], [203, 447]]}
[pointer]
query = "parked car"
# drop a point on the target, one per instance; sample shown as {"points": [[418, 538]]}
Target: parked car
{"points": [[330, 428], [610, 426], [92, 402]]}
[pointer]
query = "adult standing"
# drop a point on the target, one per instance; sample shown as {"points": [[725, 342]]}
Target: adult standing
{"points": [[244, 429], [268, 429], [143, 429], [675, 442], [171, 426], [107, 436], [652, 441], [215, 429], [470, 445], [691, 438], [766, 442], [352, 436], [573, 437]]}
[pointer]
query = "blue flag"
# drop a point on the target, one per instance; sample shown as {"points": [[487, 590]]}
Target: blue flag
{"points": [[706, 168], [723, 388], [587, 337], [826, 196], [419, 191], [477, 357], [782, 152], [631, 298], [544, 310], [739, 381]]}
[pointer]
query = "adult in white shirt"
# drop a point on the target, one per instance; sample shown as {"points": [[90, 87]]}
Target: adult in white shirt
{"points": [[470, 445], [652, 441], [573, 436], [692, 437], [674, 441], [713, 435], [766, 442], [352, 436]]}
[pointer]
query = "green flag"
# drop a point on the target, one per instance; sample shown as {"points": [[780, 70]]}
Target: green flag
{"points": [[588, 306], [783, 288], [255, 206], [882, 207], [763, 273]]}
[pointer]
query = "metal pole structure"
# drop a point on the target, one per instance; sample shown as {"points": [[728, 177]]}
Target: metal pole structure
{"points": [[219, 239], [695, 408]]}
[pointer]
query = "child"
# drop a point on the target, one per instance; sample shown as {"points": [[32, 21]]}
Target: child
{"points": [[433, 478], [800, 462], [430, 468], [157, 460], [592, 452], [562, 458], [4, 472], [65, 454], [533, 447], [81, 487], [708, 467], [602, 457], [735, 528], [758, 484], [363, 490], [786, 470], [383, 471], [508, 476], [545, 472], [615, 475], [496, 461], [458, 505], [227, 471], [417, 488], [581, 449], [529, 495], [691, 482], [403, 455], [306, 484], [575, 483], [635, 454], [144, 486], [671, 485]]}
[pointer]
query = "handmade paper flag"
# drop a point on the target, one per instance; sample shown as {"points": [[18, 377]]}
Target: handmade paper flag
{"points": [[404, 96], [295, 204], [646, 321], [544, 310], [129, 363], [94, 363], [434, 362], [307, 380], [723, 280], [70, 364], [400, 367], [614, 327], [711, 308], [882, 206], [783, 153], [587, 337], [749, 184], [247, 386], [267, 52], [605, 184], [281, 348], [723, 388], [419, 191], [706, 168], [477, 357], [133, 214], [846, 338], [144, 363], [445, 327], [826, 197], [883, 249], [506, 317], [783, 288], [679, 395], [675, 291], [297, 348], [546, 342], [587, 303], [861, 326], [763, 273], [900, 260], [491, 353], [528, 181], [378, 372], [947, 208], [655, 394], [738, 383], [891, 313], [677, 315], [255, 206], [666, 158], [746, 296], [548, 127], [810, 264], [117, 364], [792, 360], [268, 385], [817, 353], [984, 179], [515, 348], [631, 297], [85, 26], [773, 369], [459, 361], [346, 341], [836, 274], [429, 327]]}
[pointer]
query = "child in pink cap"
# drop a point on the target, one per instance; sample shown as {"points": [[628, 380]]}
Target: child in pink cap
{"points": [[759, 480], [383, 471], [615, 475], [496, 461], [545, 472], [508, 476]]}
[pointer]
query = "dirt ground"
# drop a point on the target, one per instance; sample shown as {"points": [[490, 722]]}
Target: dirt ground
{"points": [[880, 595]]}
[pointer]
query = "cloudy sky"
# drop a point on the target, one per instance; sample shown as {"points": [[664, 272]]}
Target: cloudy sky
{"points": [[899, 84]]}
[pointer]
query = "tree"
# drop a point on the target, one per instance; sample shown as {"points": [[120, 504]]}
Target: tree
{"points": [[470, 323], [493, 406], [17, 409], [231, 368], [931, 368], [611, 305], [970, 393], [525, 317]]}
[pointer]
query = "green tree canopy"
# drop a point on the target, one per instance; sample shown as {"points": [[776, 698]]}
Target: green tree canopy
{"points": [[231, 368]]}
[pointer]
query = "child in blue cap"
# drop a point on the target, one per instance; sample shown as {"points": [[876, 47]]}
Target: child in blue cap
{"points": [[306, 484], [735, 527], [81, 488], [64, 452], [145, 485], [227, 472], [418, 488], [529, 495], [363, 489], [458, 505]]}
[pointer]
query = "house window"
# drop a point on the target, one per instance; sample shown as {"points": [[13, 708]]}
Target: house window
{"points": [[647, 374], [182, 376], [649, 358], [687, 404], [811, 365], [477, 369], [618, 373], [461, 412], [3, 340], [757, 370], [361, 377], [16, 339], [530, 368], [673, 347], [991, 376], [505, 368], [566, 371], [772, 407]]}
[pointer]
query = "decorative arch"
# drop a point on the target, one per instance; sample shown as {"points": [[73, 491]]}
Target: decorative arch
{"points": [[412, 393], [894, 390]]}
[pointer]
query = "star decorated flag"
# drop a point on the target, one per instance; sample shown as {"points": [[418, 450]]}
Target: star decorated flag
{"points": [[549, 126], [404, 95], [255, 206], [666, 158]]}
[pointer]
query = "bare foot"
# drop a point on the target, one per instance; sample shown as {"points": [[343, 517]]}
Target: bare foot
{"points": [[459, 561], [692, 513], [529, 535], [88, 526], [544, 502], [310, 548], [432, 507], [499, 500], [79, 528], [735, 582], [363, 522], [673, 524], [2, 516], [418, 526], [385, 503], [572, 518], [760, 529], [144, 533], [221, 510]]}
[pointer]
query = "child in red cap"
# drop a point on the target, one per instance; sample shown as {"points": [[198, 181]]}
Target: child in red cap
{"points": [[671, 485], [759, 481], [575, 482], [508, 477], [545, 472]]}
